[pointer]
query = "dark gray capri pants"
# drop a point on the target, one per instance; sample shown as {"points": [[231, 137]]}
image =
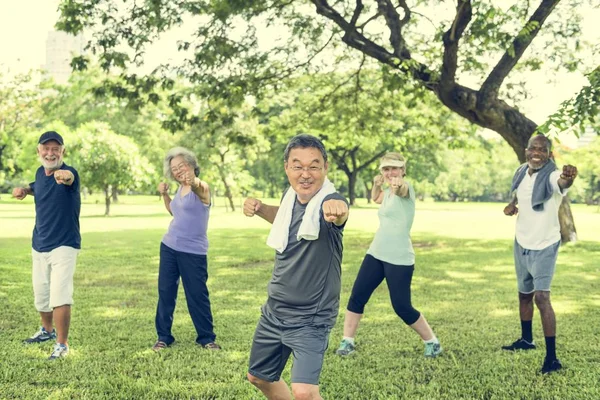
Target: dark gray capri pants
{"points": [[273, 344], [535, 268]]}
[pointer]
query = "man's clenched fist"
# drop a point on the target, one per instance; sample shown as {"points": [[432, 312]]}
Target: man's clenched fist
{"points": [[251, 206], [19, 193], [63, 176], [334, 210]]}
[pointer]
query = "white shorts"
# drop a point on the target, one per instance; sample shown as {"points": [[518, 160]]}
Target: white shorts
{"points": [[52, 277]]}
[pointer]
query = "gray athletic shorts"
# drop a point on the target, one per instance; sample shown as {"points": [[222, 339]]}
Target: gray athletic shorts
{"points": [[535, 268], [273, 344]]}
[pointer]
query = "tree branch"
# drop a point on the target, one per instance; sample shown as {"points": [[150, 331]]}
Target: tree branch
{"points": [[491, 86], [357, 11], [353, 38], [463, 16], [392, 19], [370, 160]]}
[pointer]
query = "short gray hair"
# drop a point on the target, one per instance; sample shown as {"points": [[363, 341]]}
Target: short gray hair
{"points": [[304, 141], [188, 157]]}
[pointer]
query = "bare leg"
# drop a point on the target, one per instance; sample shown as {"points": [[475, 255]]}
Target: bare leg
{"points": [[526, 306], [305, 391], [62, 319], [542, 300], [351, 322], [272, 390], [46, 320], [423, 328]]}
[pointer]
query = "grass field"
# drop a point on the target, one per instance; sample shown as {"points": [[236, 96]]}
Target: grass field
{"points": [[464, 284]]}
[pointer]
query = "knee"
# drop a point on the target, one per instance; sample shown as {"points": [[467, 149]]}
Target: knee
{"points": [[305, 392], [526, 297], [542, 299], [356, 304], [407, 314], [256, 381]]}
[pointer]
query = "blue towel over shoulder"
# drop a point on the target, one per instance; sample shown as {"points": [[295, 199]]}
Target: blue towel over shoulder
{"points": [[542, 188]]}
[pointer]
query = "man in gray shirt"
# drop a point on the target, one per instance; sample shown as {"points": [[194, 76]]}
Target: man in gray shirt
{"points": [[304, 292]]}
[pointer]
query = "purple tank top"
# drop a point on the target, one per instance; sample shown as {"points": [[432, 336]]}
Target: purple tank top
{"points": [[187, 231]]}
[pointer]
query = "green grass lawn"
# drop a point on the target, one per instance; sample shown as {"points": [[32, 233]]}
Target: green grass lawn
{"points": [[464, 284]]}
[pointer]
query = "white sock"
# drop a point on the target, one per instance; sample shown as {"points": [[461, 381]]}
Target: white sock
{"points": [[349, 339], [432, 340]]}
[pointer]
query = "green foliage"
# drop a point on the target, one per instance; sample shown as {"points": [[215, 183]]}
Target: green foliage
{"points": [[482, 171], [105, 159], [586, 188], [578, 112], [20, 113]]}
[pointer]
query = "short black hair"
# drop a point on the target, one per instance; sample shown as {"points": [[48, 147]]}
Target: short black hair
{"points": [[548, 141], [304, 141]]}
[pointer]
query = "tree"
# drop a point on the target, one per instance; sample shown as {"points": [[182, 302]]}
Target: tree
{"points": [[20, 112], [359, 120], [225, 56], [80, 101], [104, 158]]}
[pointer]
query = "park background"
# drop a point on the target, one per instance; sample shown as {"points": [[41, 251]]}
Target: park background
{"points": [[233, 81]]}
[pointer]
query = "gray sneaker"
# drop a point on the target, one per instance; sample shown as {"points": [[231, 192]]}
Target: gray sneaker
{"points": [[346, 348], [433, 349], [41, 336], [60, 350]]}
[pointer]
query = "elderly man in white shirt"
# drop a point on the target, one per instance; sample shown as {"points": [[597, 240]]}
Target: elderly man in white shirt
{"points": [[538, 188]]}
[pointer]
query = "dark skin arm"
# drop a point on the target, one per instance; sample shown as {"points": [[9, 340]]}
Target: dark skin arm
{"points": [[569, 173]]}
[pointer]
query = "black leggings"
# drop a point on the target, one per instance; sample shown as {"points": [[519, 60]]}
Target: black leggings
{"points": [[398, 277]]}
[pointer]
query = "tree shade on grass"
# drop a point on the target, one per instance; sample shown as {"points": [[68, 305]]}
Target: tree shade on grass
{"points": [[465, 286]]}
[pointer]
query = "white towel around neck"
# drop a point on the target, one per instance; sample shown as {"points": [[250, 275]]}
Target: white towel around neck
{"points": [[310, 226]]}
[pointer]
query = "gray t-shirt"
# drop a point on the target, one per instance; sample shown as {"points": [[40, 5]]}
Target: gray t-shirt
{"points": [[306, 283]]}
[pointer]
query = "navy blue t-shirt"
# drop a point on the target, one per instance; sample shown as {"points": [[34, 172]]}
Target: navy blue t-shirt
{"points": [[57, 209]]}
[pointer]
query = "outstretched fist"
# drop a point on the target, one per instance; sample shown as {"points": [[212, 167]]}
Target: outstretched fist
{"points": [[378, 180], [190, 179], [19, 193], [511, 209], [334, 210], [63, 176], [251, 206], [569, 173], [163, 188]]}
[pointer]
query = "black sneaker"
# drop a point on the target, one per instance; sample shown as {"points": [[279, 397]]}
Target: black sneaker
{"points": [[551, 366], [41, 336], [520, 344]]}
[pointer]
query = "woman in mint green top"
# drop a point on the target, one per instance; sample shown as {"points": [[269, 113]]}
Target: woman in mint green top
{"points": [[390, 257]]}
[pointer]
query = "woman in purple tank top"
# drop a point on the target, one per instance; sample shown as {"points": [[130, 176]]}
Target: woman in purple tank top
{"points": [[183, 251]]}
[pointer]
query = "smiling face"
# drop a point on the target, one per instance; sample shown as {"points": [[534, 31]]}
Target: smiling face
{"points": [[51, 154], [306, 171], [179, 168], [391, 172], [537, 152]]}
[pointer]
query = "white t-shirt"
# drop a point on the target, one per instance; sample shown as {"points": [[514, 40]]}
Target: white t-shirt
{"points": [[537, 230]]}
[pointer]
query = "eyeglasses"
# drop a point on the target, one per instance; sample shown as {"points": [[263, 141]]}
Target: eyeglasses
{"points": [[177, 168], [311, 170]]}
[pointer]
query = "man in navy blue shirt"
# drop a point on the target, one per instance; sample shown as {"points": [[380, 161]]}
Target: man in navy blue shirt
{"points": [[56, 241]]}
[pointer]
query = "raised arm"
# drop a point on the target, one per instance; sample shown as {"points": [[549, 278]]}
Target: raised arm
{"points": [[163, 189], [20, 193], [376, 191], [254, 207], [569, 173], [399, 186]]}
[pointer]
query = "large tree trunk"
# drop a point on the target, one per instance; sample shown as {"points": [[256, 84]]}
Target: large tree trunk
{"points": [[107, 200], [568, 233]]}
